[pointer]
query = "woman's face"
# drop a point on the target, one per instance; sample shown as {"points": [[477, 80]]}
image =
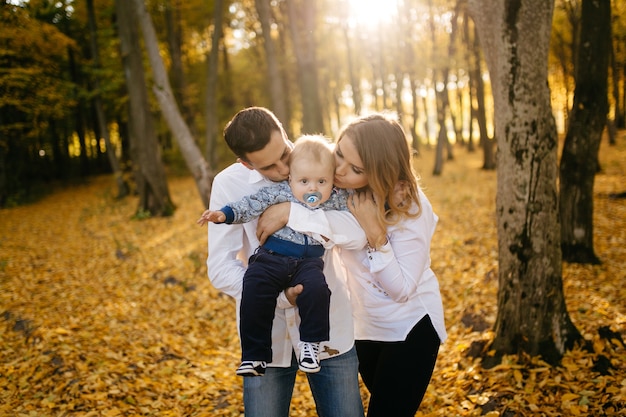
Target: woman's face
{"points": [[349, 171]]}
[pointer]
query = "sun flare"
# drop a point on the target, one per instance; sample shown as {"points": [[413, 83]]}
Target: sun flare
{"points": [[371, 13]]}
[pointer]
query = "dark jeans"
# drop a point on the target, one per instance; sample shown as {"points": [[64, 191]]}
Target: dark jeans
{"points": [[267, 275], [397, 373]]}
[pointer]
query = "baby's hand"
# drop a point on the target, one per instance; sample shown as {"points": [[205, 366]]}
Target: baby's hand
{"points": [[211, 216]]}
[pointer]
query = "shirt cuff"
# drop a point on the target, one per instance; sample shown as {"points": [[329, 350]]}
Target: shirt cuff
{"points": [[380, 258]]}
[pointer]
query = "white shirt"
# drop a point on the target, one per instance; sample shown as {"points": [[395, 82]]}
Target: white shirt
{"points": [[394, 288], [230, 246]]}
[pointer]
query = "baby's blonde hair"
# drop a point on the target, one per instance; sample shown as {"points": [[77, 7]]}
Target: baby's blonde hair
{"points": [[316, 148]]}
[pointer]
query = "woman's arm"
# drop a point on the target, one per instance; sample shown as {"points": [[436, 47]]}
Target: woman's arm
{"points": [[399, 266], [334, 227]]}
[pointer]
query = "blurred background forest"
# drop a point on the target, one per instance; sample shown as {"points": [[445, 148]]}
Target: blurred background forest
{"points": [[65, 68], [136, 93]]}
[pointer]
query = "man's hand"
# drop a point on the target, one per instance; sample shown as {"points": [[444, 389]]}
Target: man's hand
{"points": [[274, 218], [292, 293]]}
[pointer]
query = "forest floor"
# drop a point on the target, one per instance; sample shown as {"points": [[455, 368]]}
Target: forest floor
{"points": [[104, 315]]}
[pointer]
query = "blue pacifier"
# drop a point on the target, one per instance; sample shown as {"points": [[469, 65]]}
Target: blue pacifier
{"points": [[312, 198]]}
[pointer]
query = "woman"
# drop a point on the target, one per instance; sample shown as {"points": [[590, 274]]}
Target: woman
{"points": [[396, 303], [397, 307]]}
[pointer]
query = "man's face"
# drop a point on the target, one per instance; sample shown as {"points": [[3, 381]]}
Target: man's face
{"points": [[271, 161]]}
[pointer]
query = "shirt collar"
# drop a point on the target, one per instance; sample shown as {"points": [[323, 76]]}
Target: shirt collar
{"points": [[256, 177]]}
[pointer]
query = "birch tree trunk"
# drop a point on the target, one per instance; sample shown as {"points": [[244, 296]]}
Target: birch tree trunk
{"points": [[532, 316], [197, 165]]}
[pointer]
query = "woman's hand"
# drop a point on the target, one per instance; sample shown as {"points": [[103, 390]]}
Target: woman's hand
{"points": [[365, 209], [275, 217], [399, 193]]}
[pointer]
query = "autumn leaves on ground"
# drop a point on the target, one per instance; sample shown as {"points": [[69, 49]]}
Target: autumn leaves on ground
{"points": [[104, 315]]}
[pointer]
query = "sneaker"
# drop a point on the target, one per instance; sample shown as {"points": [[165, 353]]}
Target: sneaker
{"points": [[309, 357], [252, 368]]}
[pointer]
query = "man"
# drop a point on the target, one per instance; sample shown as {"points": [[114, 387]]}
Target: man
{"points": [[261, 145]]}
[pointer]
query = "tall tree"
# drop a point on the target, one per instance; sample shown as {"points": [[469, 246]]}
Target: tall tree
{"points": [[440, 77], [210, 110], [199, 167], [532, 316], [564, 47], [34, 93], [579, 160], [174, 32], [274, 78], [353, 73], [302, 24], [122, 187], [487, 143], [154, 196]]}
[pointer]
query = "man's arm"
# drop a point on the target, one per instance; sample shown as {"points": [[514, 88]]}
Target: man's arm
{"points": [[224, 267]]}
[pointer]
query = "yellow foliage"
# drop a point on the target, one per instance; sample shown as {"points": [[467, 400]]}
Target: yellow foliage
{"points": [[102, 315]]}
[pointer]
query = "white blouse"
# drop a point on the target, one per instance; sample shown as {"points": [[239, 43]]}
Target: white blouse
{"points": [[393, 288]]}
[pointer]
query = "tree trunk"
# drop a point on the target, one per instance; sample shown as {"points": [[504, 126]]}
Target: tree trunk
{"points": [[460, 122], [79, 114], [579, 161], [302, 21], [469, 57], [154, 197], [426, 121], [200, 169], [612, 123], [454, 27], [532, 316], [174, 32], [210, 111], [277, 89], [122, 186], [415, 140], [441, 98], [487, 143], [353, 74]]}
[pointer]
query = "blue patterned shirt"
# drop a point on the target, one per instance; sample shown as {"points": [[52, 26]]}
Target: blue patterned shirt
{"points": [[252, 206]]}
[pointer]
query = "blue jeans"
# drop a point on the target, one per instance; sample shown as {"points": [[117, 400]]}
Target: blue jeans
{"points": [[335, 389]]}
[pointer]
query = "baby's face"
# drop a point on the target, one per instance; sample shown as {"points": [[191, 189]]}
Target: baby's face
{"points": [[310, 182]]}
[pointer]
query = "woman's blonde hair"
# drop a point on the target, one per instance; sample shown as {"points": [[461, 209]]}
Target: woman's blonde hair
{"points": [[384, 150]]}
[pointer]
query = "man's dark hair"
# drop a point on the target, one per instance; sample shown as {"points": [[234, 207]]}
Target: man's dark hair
{"points": [[250, 130]]}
